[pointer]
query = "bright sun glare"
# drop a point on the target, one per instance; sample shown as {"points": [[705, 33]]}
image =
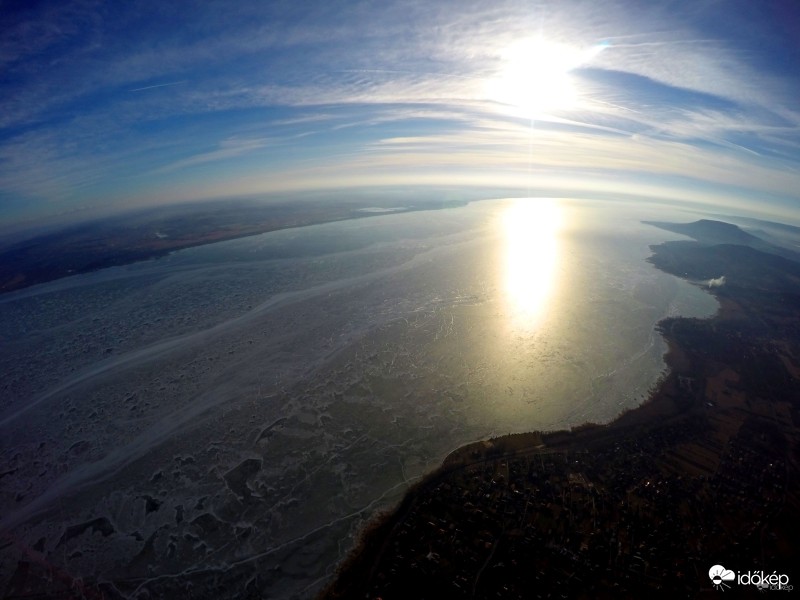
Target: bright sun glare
{"points": [[536, 77], [531, 228]]}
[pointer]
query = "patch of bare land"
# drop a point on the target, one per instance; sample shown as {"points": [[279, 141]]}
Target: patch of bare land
{"points": [[706, 472], [155, 232]]}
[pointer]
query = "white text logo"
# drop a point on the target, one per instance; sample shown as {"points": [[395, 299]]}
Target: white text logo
{"points": [[722, 579]]}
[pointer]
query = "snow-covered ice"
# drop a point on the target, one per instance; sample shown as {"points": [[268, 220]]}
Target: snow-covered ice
{"points": [[224, 419]]}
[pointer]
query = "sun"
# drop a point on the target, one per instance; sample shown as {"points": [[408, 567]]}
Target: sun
{"points": [[537, 76]]}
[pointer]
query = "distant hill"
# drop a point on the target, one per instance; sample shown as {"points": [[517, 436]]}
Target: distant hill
{"points": [[784, 228], [778, 234], [710, 233]]}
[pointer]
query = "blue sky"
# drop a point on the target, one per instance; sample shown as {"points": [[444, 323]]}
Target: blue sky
{"points": [[110, 105]]}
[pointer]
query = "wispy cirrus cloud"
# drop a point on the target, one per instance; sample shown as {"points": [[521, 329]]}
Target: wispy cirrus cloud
{"points": [[705, 93], [227, 149], [158, 85]]}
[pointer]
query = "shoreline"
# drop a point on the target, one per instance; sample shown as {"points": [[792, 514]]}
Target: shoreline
{"points": [[579, 438], [140, 236], [708, 405]]}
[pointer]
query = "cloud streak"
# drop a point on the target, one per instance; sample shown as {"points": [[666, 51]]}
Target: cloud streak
{"points": [[230, 148], [329, 96], [158, 85]]}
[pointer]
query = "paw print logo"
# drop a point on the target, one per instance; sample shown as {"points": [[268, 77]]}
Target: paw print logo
{"points": [[719, 575]]}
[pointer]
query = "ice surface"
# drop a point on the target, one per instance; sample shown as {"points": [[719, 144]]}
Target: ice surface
{"points": [[224, 419]]}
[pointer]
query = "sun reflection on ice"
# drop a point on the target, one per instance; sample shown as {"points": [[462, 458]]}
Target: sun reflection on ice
{"points": [[531, 228]]}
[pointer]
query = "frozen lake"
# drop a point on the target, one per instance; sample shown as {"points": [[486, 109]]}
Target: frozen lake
{"points": [[224, 419]]}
